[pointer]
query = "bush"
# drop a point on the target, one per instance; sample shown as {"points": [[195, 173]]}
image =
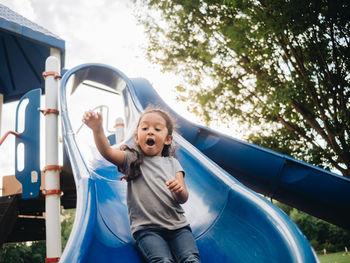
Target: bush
{"points": [[320, 233]]}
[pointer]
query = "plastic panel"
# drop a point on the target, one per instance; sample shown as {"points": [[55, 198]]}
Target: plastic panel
{"points": [[30, 176]]}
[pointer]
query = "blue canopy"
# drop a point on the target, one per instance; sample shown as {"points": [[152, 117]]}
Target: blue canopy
{"points": [[24, 47]]}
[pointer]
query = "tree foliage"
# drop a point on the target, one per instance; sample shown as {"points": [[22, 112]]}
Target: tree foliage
{"points": [[67, 225], [282, 66], [32, 252], [321, 234]]}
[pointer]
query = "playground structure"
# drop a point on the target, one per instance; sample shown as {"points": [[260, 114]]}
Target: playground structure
{"points": [[230, 221]]}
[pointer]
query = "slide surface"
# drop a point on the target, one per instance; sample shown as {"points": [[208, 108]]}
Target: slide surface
{"points": [[306, 187], [231, 223]]}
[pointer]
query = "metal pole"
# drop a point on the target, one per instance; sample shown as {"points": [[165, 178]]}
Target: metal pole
{"points": [[119, 130], [52, 180]]}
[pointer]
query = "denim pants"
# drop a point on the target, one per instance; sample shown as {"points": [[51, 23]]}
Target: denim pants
{"points": [[158, 245]]}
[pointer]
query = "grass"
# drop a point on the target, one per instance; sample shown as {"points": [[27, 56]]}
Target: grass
{"points": [[339, 257]]}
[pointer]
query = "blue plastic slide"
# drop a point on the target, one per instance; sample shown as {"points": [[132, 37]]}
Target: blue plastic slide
{"points": [[313, 190], [231, 223]]}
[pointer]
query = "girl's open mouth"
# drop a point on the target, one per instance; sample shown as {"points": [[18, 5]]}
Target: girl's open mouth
{"points": [[150, 142]]}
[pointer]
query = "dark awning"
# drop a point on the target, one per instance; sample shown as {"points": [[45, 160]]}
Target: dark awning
{"points": [[24, 47]]}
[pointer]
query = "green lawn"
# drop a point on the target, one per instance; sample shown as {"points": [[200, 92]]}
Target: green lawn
{"points": [[338, 257]]}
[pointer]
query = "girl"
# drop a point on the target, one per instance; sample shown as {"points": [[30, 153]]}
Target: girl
{"points": [[156, 187]]}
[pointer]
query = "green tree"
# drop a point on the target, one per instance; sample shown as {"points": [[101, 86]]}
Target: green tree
{"points": [[67, 225], [279, 66], [31, 252], [320, 233]]}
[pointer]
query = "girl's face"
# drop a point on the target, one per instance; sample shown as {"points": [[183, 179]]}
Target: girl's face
{"points": [[152, 134]]}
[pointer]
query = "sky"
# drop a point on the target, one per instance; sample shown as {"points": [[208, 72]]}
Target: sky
{"points": [[103, 31]]}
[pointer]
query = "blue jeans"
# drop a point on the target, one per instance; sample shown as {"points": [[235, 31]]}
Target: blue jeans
{"points": [[157, 245]]}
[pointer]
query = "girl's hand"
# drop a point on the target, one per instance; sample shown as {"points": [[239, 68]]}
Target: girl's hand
{"points": [[178, 187], [93, 120], [174, 185]]}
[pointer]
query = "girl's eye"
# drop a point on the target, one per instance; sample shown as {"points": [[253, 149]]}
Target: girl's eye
{"points": [[144, 128], [157, 129]]}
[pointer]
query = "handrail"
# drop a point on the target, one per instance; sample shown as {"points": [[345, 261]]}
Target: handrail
{"points": [[100, 107], [7, 134]]}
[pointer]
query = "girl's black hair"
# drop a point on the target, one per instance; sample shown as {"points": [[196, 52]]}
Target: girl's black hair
{"points": [[168, 150]]}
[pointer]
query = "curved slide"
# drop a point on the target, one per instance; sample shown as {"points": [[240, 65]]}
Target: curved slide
{"points": [[306, 187], [231, 223]]}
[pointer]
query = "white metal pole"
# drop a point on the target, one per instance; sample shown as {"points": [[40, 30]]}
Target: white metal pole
{"points": [[119, 130], [52, 180], [56, 53]]}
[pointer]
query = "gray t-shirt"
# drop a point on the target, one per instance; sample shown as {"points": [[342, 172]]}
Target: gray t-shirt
{"points": [[150, 203]]}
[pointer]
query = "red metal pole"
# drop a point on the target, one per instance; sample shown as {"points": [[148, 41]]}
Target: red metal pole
{"points": [[9, 132]]}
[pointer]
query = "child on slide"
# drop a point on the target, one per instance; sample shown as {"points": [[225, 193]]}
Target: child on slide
{"points": [[155, 187]]}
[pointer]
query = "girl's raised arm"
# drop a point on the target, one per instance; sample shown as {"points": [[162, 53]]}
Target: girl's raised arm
{"points": [[94, 121]]}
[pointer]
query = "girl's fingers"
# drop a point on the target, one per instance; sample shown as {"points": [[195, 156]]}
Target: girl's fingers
{"points": [[171, 183], [178, 189], [174, 186], [89, 115]]}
